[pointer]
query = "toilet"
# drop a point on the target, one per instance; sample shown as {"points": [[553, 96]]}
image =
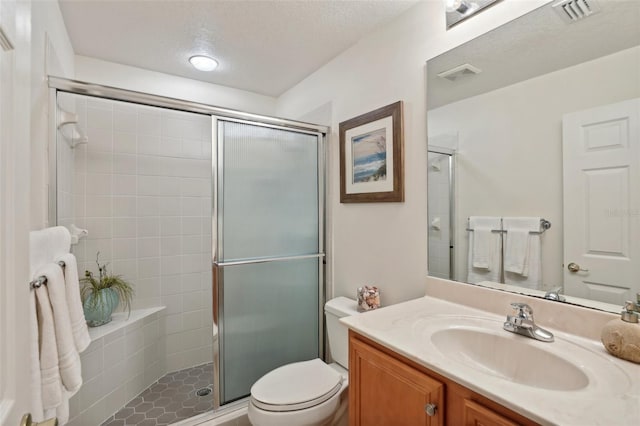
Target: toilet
{"points": [[308, 393]]}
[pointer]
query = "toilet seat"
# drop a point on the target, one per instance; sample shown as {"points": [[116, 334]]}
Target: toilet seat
{"points": [[296, 386]]}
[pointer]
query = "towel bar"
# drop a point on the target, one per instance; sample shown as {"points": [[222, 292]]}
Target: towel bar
{"points": [[42, 280], [544, 225]]}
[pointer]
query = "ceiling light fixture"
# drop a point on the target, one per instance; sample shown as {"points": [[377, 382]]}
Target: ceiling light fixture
{"points": [[203, 63], [459, 10]]}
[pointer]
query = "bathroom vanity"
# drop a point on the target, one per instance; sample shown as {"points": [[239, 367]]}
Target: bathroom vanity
{"points": [[387, 388], [430, 361]]}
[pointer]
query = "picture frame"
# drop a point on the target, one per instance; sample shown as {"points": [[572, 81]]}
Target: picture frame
{"points": [[372, 156]]}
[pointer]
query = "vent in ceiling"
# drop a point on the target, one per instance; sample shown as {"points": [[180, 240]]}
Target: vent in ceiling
{"points": [[576, 10], [460, 71]]}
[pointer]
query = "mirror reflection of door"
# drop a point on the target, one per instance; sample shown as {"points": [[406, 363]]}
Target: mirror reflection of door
{"points": [[441, 206], [601, 163]]}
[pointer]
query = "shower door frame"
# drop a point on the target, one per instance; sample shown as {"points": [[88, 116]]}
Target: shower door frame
{"points": [[59, 84], [217, 167]]}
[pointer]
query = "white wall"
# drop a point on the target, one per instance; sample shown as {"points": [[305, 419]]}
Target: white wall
{"points": [[509, 156], [137, 79], [386, 244], [51, 53]]}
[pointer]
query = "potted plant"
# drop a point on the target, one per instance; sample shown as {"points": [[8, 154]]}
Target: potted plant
{"points": [[102, 295]]}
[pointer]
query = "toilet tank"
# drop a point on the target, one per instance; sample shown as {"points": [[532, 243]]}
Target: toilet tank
{"points": [[337, 332]]}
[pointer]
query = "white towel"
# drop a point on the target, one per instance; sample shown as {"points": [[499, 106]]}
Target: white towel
{"points": [[79, 327], [484, 260], [51, 385], [46, 244], [523, 257], [68, 358]]}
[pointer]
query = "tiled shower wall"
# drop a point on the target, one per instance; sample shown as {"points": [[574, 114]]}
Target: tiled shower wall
{"points": [[142, 188]]}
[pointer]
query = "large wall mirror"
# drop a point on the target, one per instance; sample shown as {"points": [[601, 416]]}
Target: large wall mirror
{"points": [[536, 124]]}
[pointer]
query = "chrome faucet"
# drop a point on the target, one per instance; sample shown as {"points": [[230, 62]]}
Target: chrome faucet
{"points": [[554, 294], [522, 323]]}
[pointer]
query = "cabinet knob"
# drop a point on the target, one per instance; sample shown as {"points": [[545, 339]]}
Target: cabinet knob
{"points": [[430, 409]]}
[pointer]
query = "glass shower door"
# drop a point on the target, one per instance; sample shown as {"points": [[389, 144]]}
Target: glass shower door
{"points": [[268, 259]]}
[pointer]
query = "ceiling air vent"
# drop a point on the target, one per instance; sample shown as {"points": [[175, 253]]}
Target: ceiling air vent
{"points": [[460, 71], [576, 10]]}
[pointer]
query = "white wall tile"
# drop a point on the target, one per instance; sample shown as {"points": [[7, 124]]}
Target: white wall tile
{"points": [[148, 227], [173, 323], [128, 268], [171, 284], [125, 184], [149, 124], [191, 226], [126, 164], [191, 282], [99, 119], [125, 142], [124, 227], [169, 186], [191, 244], [98, 184], [149, 145], [170, 147], [147, 206], [124, 248], [170, 225], [149, 267], [100, 140], [148, 247], [190, 206], [99, 228], [99, 162], [170, 246], [169, 206], [125, 206], [171, 265], [148, 185], [125, 121], [98, 206], [192, 301]]}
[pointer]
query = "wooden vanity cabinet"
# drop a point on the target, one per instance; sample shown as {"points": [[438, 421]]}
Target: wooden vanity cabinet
{"points": [[387, 389]]}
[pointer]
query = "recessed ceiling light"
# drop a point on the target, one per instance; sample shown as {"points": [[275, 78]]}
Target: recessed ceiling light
{"points": [[203, 63]]}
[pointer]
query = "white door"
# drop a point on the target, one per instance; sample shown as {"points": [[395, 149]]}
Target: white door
{"points": [[14, 220], [601, 158]]}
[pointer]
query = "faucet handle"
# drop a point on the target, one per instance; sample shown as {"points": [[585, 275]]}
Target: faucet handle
{"points": [[523, 310]]}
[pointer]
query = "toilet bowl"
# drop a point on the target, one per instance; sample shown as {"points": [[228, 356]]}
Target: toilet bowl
{"points": [[308, 393]]}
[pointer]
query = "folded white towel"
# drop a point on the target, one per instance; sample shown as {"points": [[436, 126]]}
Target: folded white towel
{"points": [[50, 383], [68, 358], [483, 247], [516, 251], [46, 244], [79, 327], [484, 259], [523, 253]]}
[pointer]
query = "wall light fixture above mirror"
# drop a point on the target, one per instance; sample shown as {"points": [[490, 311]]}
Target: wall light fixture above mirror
{"points": [[459, 10]]}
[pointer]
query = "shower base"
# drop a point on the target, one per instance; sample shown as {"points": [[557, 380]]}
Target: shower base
{"points": [[175, 396]]}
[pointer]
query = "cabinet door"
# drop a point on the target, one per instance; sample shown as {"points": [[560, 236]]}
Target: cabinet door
{"points": [[384, 391], [477, 415]]}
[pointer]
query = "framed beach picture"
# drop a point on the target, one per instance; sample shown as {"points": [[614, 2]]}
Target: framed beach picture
{"points": [[371, 157]]}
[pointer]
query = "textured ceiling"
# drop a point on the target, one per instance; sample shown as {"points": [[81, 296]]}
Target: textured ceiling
{"points": [[535, 44], [264, 46]]}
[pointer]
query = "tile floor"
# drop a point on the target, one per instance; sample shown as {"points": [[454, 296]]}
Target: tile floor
{"points": [[172, 398]]}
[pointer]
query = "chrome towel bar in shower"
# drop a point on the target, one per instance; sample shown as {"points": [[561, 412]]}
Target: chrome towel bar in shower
{"points": [[42, 280]]}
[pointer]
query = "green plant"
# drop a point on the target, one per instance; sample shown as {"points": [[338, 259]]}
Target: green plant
{"points": [[90, 285]]}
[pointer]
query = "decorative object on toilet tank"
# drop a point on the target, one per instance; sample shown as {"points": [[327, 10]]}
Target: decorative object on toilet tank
{"points": [[372, 156], [102, 295], [368, 298], [621, 337]]}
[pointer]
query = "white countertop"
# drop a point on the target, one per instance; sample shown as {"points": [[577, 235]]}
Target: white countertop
{"points": [[603, 402]]}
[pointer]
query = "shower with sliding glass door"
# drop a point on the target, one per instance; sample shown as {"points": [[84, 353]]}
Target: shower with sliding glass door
{"points": [[217, 219]]}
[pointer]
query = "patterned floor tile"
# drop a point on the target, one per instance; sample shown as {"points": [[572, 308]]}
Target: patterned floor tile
{"points": [[172, 398]]}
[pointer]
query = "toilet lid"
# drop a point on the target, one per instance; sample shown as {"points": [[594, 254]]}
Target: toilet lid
{"points": [[296, 386]]}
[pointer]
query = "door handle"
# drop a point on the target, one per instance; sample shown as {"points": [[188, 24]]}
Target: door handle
{"points": [[574, 267], [27, 421]]}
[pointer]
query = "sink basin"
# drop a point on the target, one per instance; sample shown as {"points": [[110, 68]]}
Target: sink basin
{"points": [[465, 346], [509, 358]]}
